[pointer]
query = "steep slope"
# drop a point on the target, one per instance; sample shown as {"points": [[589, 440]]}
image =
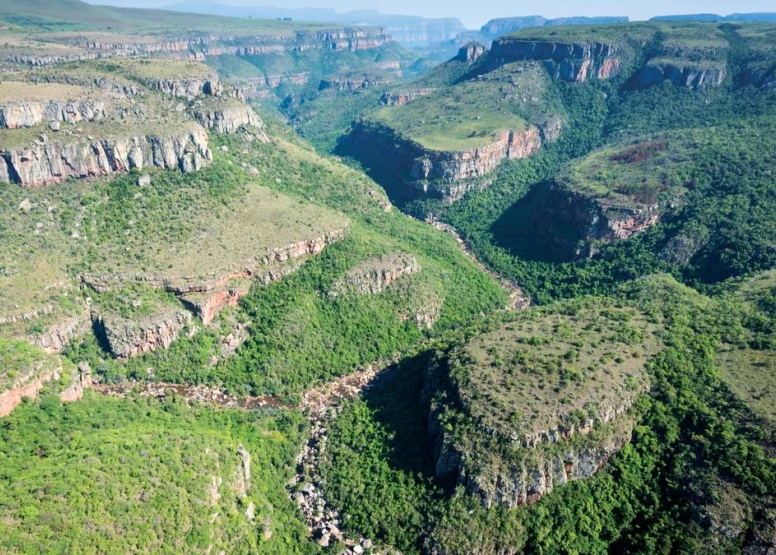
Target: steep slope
{"points": [[445, 143]]}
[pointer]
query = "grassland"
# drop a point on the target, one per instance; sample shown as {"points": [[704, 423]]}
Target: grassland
{"points": [[635, 172], [183, 225], [470, 113], [542, 370], [751, 375]]}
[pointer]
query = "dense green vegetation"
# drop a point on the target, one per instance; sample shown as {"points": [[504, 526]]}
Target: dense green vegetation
{"points": [[676, 306], [720, 230], [693, 440], [109, 476], [299, 335]]}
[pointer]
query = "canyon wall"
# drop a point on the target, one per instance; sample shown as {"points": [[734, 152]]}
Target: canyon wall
{"points": [[44, 162], [441, 174], [573, 62]]}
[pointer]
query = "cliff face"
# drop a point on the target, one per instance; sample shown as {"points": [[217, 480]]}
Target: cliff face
{"points": [[375, 275], [699, 76], [229, 119], [128, 338], [511, 417], [574, 62], [28, 114], [58, 336], [47, 163], [82, 47], [442, 174], [204, 296], [584, 219], [404, 97], [74, 382]]}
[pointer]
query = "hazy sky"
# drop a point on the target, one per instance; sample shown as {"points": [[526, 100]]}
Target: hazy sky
{"points": [[474, 14]]}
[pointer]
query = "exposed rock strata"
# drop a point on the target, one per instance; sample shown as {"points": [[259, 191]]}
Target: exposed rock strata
{"points": [[78, 381], [58, 336], [574, 62], [29, 114], [229, 119], [443, 174], [509, 471], [52, 162], [84, 47], [591, 219], [128, 338], [402, 98], [699, 76], [374, 276]]}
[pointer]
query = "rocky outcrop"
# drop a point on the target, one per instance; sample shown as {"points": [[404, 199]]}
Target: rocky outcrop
{"points": [[29, 114], [586, 220], [503, 470], [132, 337], [441, 173], [209, 304], [470, 53], [59, 336], [75, 384], [682, 74], [448, 175], [81, 381], [515, 484], [52, 162], [375, 275], [229, 119], [207, 295], [349, 84], [404, 97], [573, 62], [192, 88]]}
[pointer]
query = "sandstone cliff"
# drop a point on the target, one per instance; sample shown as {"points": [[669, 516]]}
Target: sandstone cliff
{"points": [[44, 163], [682, 73], [131, 337], [15, 115], [574, 62], [81, 47], [26, 371], [574, 221], [442, 174], [228, 118]]}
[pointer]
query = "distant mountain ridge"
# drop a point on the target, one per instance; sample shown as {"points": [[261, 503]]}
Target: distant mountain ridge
{"points": [[407, 30], [716, 18]]}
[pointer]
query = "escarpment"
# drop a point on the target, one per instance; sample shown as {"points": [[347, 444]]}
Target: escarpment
{"points": [[29, 114], [44, 162], [536, 402], [612, 194], [575, 221], [204, 295], [92, 46], [448, 175], [573, 62], [701, 75]]}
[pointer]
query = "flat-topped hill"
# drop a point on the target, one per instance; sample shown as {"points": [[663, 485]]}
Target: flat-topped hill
{"points": [[539, 399]]}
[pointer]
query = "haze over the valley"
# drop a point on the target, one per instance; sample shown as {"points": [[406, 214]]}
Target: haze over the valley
{"points": [[473, 15]]}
